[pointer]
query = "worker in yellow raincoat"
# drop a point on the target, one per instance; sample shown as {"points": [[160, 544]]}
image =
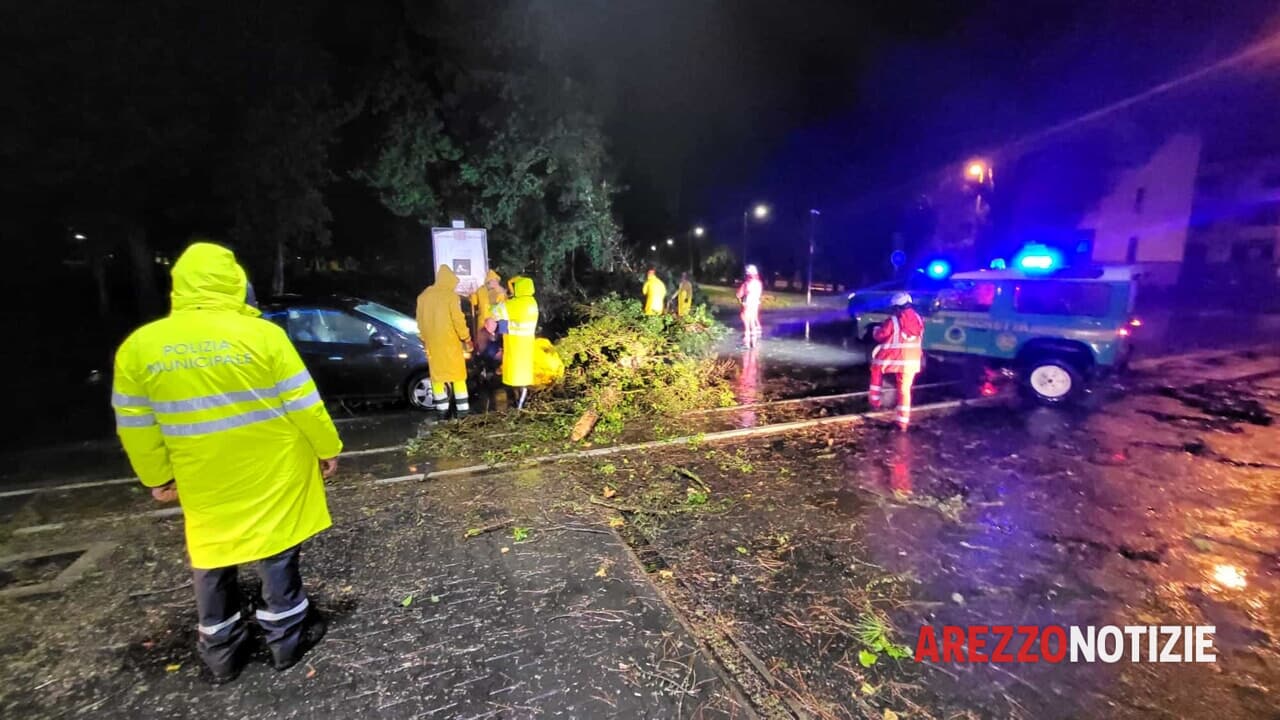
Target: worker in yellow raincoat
{"points": [[483, 300], [655, 293], [684, 296], [520, 312], [216, 410], [445, 336]]}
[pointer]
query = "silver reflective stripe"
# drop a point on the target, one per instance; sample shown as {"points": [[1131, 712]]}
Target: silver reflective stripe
{"points": [[227, 423], [303, 402], [294, 382], [208, 402], [215, 629], [135, 421], [276, 617], [121, 400]]}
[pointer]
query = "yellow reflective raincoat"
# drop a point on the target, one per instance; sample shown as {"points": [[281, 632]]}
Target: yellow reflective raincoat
{"points": [[655, 295], [684, 298], [443, 328], [216, 398], [521, 314], [484, 298]]}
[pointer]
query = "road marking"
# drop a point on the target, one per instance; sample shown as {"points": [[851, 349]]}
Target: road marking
{"points": [[125, 481], [71, 486], [372, 451], [400, 479]]}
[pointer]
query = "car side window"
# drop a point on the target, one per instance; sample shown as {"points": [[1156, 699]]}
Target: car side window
{"points": [[1062, 298], [323, 325], [968, 296]]}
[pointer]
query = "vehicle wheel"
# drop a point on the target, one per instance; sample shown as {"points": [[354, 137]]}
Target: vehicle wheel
{"points": [[1052, 381], [418, 392]]}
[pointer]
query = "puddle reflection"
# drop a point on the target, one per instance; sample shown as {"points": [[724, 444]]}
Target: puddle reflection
{"points": [[747, 387]]}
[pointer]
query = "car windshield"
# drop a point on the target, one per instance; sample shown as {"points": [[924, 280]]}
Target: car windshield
{"points": [[394, 318]]}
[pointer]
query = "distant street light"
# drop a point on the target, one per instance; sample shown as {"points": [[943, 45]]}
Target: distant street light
{"points": [[761, 211], [813, 231], [978, 171], [79, 236], [653, 248], [671, 242], [699, 231]]}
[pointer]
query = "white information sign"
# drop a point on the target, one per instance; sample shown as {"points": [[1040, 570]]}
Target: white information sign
{"points": [[466, 251]]}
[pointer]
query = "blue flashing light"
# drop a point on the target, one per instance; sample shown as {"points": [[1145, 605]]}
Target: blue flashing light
{"points": [[998, 264], [1038, 259], [938, 269]]}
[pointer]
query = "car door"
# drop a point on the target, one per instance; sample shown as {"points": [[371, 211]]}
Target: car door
{"points": [[358, 352], [966, 317], [322, 338]]}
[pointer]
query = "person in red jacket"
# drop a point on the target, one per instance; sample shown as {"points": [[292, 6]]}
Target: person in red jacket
{"points": [[897, 353]]}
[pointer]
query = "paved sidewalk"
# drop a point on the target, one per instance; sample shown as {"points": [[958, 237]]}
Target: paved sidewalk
{"points": [[426, 623]]}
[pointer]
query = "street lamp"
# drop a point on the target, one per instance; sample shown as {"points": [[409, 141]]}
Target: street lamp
{"points": [[813, 224], [760, 211], [671, 242], [653, 248], [978, 171], [699, 231]]}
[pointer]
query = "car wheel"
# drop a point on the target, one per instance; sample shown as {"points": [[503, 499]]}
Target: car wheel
{"points": [[418, 392], [1052, 381]]}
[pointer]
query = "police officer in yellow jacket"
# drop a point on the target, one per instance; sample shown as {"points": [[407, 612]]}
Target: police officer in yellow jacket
{"points": [[520, 313], [655, 293], [216, 410], [447, 340]]}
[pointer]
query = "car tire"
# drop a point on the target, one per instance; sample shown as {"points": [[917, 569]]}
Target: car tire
{"points": [[417, 392], [1052, 381]]}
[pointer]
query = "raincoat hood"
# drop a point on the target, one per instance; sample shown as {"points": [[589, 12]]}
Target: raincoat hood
{"points": [[492, 275], [445, 278], [522, 287], [207, 277]]}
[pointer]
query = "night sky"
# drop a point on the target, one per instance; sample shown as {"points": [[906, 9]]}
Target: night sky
{"points": [[712, 105], [715, 104]]}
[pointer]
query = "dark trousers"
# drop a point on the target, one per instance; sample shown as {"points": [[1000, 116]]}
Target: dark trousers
{"points": [[222, 629]]}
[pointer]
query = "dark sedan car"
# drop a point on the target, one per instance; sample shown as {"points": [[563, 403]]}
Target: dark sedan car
{"points": [[356, 349]]}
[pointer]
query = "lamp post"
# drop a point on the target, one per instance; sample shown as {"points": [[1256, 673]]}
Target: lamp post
{"points": [[698, 231], [760, 211], [808, 286]]}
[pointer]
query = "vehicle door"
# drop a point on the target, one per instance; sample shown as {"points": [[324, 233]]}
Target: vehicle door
{"points": [[965, 318], [331, 342], [362, 351], [305, 329], [1076, 310]]}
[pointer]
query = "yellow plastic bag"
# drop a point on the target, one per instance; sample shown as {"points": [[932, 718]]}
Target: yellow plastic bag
{"points": [[547, 366]]}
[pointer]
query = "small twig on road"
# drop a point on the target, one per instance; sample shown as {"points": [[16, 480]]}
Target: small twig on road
{"points": [[477, 532]]}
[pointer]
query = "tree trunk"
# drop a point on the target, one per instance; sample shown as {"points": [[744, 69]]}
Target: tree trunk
{"points": [[277, 275], [144, 277]]}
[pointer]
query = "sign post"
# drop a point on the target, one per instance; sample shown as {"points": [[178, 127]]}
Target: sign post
{"points": [[465, 251]]}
